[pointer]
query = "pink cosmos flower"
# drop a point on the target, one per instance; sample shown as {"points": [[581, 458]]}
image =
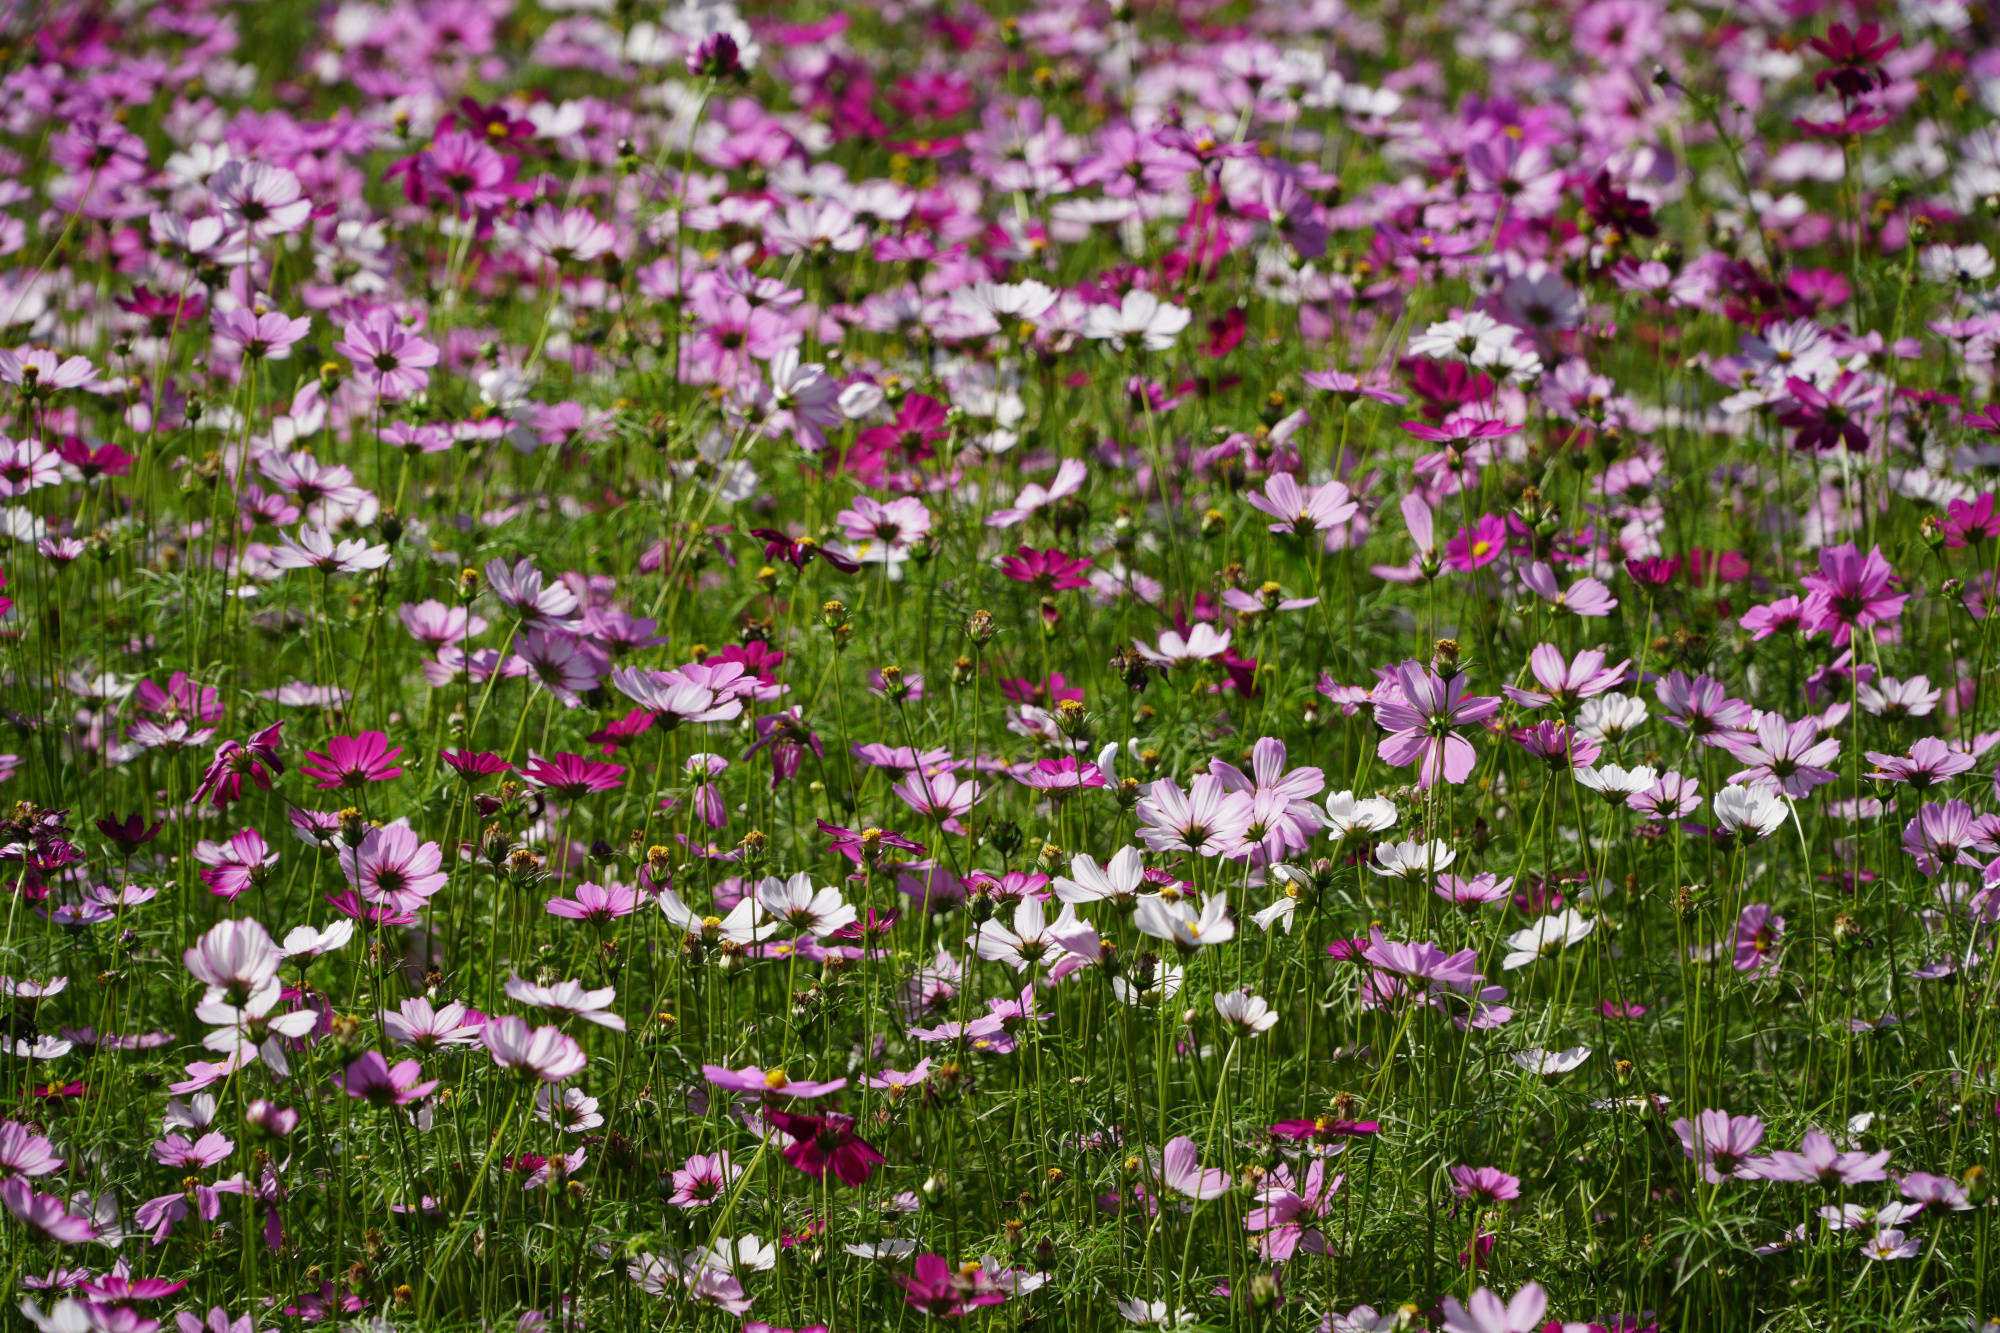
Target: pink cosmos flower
{"points": [[1477, 546], [266, 201], [395, 867], [1788, 756], [1301, 510], [1484, 1184], [374, 1080], [393, 361], [46, 1213], [703, 1180], [1818, 1162], [1758, 936], [266, 336], [1721, 1144], [1422, 720], [571, 776], [1566, 682], [1182, 1172]]}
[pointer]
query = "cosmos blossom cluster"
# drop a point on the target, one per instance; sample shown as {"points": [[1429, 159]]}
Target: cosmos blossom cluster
{"points": [[1080, 663]]}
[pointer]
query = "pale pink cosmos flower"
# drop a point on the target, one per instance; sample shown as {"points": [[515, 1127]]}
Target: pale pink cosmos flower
{"points": [[1182, 1172], [773, 1082], [1789, 757], [416, 1023], [1587, 596], [1208, 819], [1299, 510], [1031, 939], [265, 201], [542, 1053], [1487, 1313], [567, 235], [939, 795], [568, 999], [237, 956]]}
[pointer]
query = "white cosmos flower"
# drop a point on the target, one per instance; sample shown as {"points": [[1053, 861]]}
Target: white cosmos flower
{"points": [[1249, 1013], [1548, 934], [1410, 858], [1550, 1063]]}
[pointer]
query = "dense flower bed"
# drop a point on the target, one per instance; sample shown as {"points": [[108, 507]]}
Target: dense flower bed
{"points": [[1310, 666]]}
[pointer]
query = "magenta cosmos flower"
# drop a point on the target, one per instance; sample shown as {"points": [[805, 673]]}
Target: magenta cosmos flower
{"points": [[570, 776], [1422, 721], [353, 761], [1046, 571], [1850, 591], [936, 1288], [379, 1083]]}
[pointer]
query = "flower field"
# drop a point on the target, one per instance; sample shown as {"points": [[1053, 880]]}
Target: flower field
{"points": [[1079, 665]]}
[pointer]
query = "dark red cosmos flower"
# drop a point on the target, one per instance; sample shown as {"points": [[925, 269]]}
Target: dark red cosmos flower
{"points": [[1988, 421], [798, 552], [1242, 672], [1854, 58], [1444, 386], [130, 833], [822, 1143], [757, 658], [1824, 419], [1020, 690], [1862, 120], [1610, 206], [256, 759], [493, 123], [1226, 333], [161, 311], [871, 929], [1655, 572], [931, 95]]}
